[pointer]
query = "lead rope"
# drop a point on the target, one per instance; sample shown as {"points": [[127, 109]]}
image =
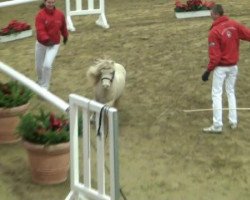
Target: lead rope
{"points": [[100, 120], [99, 134]]}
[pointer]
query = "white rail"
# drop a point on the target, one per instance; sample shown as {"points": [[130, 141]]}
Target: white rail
{"points": [[50, 97], [14, 2], [85, 189]]}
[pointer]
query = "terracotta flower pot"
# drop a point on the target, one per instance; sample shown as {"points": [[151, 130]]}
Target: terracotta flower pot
{"points": [[9, 120], [48, 164]]}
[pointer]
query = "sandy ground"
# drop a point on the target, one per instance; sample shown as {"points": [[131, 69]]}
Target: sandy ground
{"points": [[163, 153]]}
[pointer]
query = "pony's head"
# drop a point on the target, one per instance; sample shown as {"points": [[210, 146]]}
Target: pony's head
{"points": [[103, 71], [107, 76]]}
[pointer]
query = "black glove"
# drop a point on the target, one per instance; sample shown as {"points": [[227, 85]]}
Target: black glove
{"points": [[65, 39], [49, 44], [205, 75]]}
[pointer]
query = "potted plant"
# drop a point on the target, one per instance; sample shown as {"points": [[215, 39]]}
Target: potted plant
{"points": [[193, 8], [15, 30], [46, 139], [14, 101]]}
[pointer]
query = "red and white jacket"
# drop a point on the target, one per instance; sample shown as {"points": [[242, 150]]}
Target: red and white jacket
{"points": [[50, 25], [224, 40]]}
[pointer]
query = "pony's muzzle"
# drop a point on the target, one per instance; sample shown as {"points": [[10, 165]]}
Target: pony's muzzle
{"points": [[106, 83]]}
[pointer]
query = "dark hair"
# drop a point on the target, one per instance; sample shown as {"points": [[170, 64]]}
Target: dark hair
{"points": [[218, 9], [42, 5]]}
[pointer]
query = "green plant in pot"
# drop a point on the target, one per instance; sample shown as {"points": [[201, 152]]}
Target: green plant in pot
{"points": [[14, 102], [45, 128], [46, 139]]}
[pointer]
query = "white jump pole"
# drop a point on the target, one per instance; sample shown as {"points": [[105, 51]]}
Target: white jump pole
{"points": [[14, 2], [210, 109], [35, 87]]}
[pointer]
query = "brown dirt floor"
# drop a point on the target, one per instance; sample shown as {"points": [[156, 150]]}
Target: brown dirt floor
{"points": [[163, 152]]}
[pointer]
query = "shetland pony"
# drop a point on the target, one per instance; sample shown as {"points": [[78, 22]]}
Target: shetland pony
{"points": [[108, 80]]}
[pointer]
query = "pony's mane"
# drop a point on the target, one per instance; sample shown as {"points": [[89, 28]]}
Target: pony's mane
{"points": [[94, 71], [103, 63]]}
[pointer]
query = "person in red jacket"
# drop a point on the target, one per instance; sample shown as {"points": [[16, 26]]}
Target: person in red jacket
{"points": [[224, 40], [50, 25]]}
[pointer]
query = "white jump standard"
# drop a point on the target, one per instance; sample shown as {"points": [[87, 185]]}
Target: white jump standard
{"points": [[91, 10]]}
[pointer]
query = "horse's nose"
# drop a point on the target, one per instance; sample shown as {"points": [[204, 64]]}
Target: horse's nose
{"points": [[106, 84]]}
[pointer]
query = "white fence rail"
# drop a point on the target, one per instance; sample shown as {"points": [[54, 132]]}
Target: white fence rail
{"points": [[78, 9], [53, 99], [84, 189], [14, 2]]}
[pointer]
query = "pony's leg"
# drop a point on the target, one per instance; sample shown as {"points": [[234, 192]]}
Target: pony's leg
{"points": [[92, 118], [117, 102], [111, 103], [93, 115]]}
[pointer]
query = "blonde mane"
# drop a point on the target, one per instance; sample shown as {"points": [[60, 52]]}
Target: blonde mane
{"points": [[94, 71]]}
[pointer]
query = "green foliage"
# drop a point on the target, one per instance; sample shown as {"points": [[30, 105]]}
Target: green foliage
{"points": [[13, 94], [44, 128]]}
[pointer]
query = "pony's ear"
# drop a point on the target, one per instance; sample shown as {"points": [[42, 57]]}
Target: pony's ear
{"points": [[97, 60]]}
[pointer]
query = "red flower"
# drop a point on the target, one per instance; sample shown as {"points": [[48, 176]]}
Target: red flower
{"points": [[193, 5], [57, 124], [208, 4], [180, 5], [13, 27]]}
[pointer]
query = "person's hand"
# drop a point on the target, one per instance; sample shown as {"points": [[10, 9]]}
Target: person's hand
{"points": [[49, 44], [65, 39], [205, 75]]}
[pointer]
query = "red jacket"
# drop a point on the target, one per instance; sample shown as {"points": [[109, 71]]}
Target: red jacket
{"points": [[224, 40], [50, 25]]}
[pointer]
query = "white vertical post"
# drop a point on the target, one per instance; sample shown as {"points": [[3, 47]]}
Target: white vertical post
{"points": [[74, 163], [78, 4], [86, 148], [69, 22], [114, 155], [90, 4], [102, 21], [100, 156], [102, 6]]}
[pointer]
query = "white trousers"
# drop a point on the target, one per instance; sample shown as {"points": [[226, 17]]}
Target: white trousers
{"points": [[44, 58], [229, 76]]}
